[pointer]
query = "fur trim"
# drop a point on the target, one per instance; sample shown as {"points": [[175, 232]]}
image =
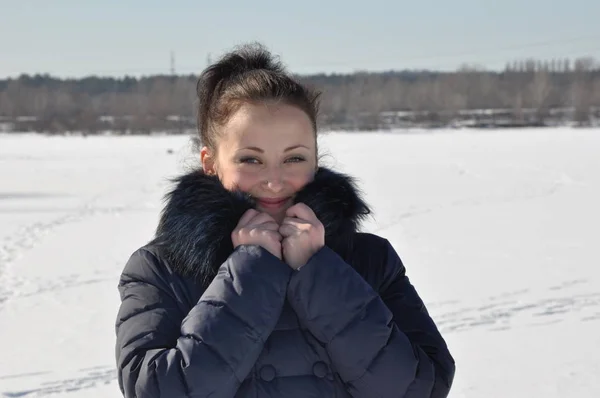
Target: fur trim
{"points": [[194, 231]]}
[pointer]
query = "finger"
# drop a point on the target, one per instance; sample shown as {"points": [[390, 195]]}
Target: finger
{"points": [[300, 210], [288, 230], [270, 225], [297, 223], [274, 235], [292, 220], [287, 244], [261, 233], [247, 217], [261, 218]]}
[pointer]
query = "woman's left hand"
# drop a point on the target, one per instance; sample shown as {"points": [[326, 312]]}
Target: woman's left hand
{"points": [[303, 235]]}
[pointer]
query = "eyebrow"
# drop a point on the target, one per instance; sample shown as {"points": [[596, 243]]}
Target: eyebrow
{"points": [[291, 148]]}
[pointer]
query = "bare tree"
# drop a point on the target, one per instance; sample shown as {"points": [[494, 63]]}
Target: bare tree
{"points": [[540, 89], [581, 90]]}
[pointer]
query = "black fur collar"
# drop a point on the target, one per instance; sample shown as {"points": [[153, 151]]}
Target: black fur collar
{"points": [[194, 232]]}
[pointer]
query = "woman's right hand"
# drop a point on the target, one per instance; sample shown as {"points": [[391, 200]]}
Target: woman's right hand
{"points": [[255, 228]]}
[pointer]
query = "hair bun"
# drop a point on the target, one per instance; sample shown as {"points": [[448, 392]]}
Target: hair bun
{"points": [[248, 58]]}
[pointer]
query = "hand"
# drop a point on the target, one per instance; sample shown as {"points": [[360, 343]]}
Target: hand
{"points": [[303, 235], [256, 228]]}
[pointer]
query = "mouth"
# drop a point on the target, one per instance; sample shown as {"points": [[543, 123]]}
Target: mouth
{"points": [[272, 203]]}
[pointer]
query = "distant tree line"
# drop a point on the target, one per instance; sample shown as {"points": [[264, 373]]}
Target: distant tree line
{"points": [[526, 92]]}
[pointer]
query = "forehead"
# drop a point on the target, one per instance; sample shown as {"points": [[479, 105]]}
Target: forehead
{"points": [[268, 125]]}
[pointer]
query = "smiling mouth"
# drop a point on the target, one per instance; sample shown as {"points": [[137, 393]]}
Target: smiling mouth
{"points": [[272, 203]]}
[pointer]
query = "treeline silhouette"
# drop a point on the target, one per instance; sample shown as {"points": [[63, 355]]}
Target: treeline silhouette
{"points": [[526, 93]]}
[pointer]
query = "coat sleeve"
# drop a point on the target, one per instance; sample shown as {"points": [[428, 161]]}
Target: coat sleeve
{"points": [[382, 344], [163, 352]]}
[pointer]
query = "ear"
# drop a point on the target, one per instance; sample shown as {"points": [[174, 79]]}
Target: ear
{"points": [[208, 161]]}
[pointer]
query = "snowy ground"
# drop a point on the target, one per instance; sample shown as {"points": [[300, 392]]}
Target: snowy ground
{"points": [[498, 230]]}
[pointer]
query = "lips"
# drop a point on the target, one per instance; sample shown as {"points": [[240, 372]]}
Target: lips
{"points": [[272, 203]]}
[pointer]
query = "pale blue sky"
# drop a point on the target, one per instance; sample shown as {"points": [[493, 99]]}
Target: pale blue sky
{"points": [[74, 38]]}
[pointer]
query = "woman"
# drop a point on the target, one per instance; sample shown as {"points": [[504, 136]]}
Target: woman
{"points": [[258, 283]]}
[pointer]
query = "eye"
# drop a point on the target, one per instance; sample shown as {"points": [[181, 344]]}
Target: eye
{"points": [[296, 159], [249, 159]]}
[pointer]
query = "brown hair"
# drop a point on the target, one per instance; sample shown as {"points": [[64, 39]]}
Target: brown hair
{"points": [[249, 74]]}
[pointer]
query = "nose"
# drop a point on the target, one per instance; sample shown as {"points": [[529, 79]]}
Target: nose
{"points": [[274, 180]]}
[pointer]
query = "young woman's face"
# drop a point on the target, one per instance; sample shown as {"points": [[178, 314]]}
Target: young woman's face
{"points": [[268, 151]]}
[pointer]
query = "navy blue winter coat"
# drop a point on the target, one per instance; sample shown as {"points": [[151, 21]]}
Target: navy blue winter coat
{"points": [[200, 319]]}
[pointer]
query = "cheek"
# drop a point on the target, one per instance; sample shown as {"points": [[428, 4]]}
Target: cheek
{"points": [[239, 180], [300, 180]]}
